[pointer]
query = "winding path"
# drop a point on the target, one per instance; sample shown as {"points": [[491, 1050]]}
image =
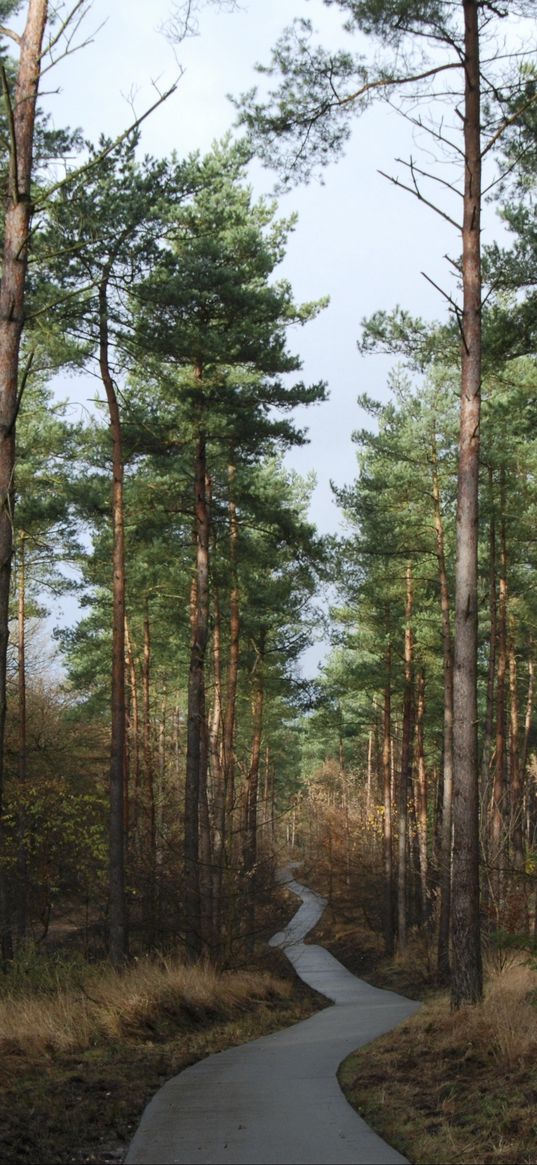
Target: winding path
{"points": [[276, 1100]]}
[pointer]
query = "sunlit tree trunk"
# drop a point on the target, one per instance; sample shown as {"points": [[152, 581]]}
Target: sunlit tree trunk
{"points": [[467, 975]]}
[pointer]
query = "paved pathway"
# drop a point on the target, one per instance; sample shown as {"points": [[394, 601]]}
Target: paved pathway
{"points": [[276, 1100]]}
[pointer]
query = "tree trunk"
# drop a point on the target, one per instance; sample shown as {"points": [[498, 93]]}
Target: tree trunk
{"points": [[515, 772], [250, 840], [497, 816], [234, 643], [369, 774], [467, 975], [529, 711], [406, 768], [387, 819], [22, 851], [196, 751], [17, 219], [150, 823], [446, 818], [421, 796], [134, 719], [489, 717], [218, 798], [118, 913]]}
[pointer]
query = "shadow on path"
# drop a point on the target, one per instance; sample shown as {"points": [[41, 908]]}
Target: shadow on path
{"points": [[276, 1100]]}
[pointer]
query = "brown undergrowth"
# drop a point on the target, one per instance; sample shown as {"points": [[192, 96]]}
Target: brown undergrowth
{"points": [[78, 1064], [457, 1089], [444, 1088]]}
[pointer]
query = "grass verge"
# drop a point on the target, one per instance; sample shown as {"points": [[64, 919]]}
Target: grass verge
{"points": [[456, 1089], [443, 1088], [78, 1065]]}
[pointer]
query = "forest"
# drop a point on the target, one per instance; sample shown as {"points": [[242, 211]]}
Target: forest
{"points": [[153, 782]]}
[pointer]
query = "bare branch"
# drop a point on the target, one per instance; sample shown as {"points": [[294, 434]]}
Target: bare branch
{"points": [[83, 5], [183, 22], [93, 162], [455, 263], [419, 123], [13, 160], [411, 165], [9, 32], [506, 123], [417, 194], [22, 386], [70, 51], [452, 303]]}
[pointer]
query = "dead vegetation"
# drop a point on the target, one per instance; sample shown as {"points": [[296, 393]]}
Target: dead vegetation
{"points": [[457, 1089], [109, 1005], [83, 1049]]}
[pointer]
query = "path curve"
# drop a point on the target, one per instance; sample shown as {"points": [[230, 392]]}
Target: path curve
{"points": [[276, 1100]]}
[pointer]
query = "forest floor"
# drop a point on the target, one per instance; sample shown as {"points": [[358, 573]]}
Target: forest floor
{"points": [[445, 1089], [79, 1066]]}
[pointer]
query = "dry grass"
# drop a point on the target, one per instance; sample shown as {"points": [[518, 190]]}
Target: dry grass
{"points": [[457, 1089], [80, 1063], [109, 1005]]}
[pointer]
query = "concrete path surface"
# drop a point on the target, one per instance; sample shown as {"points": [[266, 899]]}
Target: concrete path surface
{"points": [[276, 1100]]}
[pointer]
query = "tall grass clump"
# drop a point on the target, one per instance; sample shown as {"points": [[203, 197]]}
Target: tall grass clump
{"points": [[74, 1007]]}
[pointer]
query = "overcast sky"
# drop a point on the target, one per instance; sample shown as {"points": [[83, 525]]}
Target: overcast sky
{"points": [[358, 239]]}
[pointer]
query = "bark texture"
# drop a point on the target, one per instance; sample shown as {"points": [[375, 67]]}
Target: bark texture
{"points": [[467, 976]]}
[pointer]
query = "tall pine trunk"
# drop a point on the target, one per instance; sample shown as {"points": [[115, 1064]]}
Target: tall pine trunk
{"points": [[387, 816], [134, 727], [22, 850], [421, 796], [17, 219], [406, 767], [234, 643], [196, 716], [446, 816], [515, 771], [498, 804], [467, 975], [491, 672], [250, 839], [118, 913]]}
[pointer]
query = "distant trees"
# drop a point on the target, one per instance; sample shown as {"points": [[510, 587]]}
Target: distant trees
{"points": [[181, 312], [299, 127]]}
